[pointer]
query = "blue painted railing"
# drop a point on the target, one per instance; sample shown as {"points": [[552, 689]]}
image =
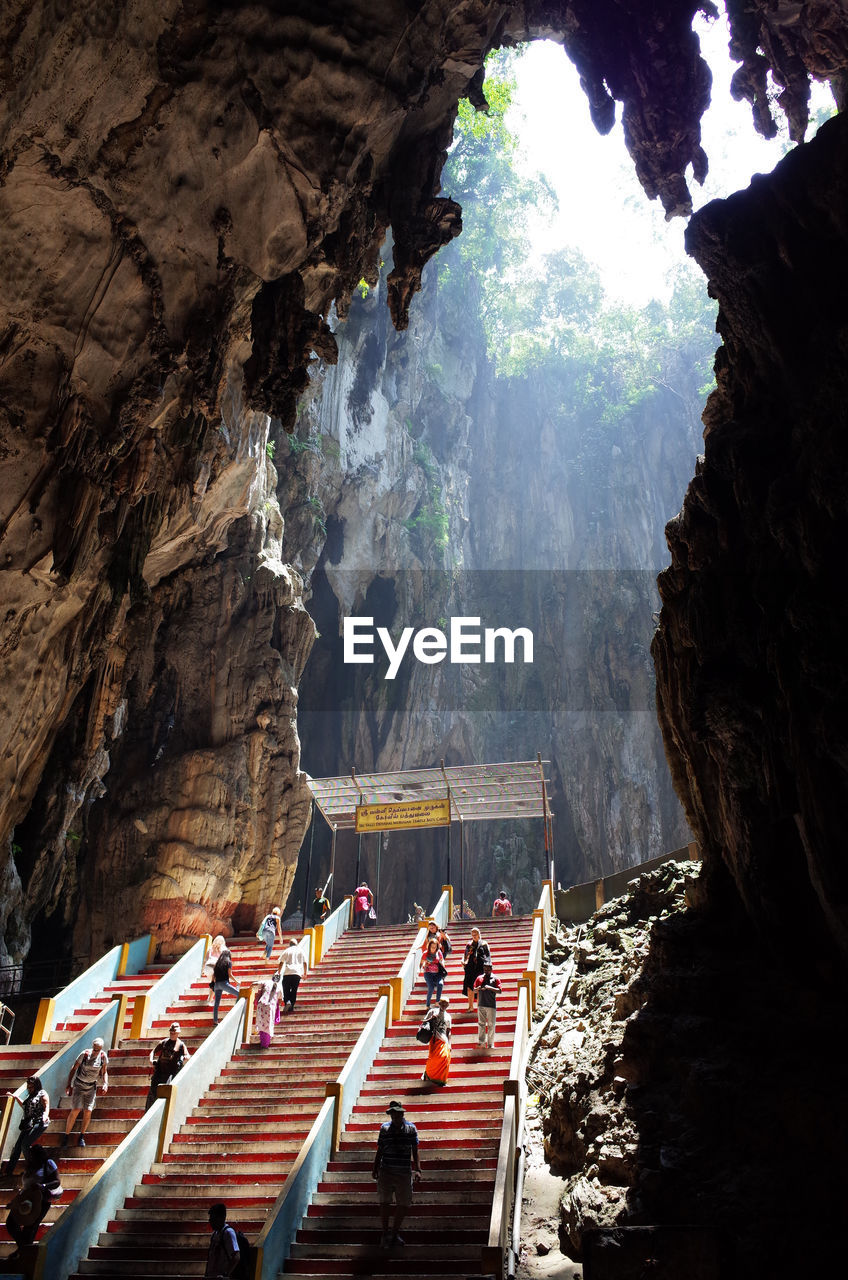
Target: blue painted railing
{"points": [[54, 1074], [78, 1228], [89, 984], [155, 1002]]}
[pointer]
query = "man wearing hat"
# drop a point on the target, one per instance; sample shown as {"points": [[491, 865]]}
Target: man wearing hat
{"points": [[396, 1165], [486, 989]]}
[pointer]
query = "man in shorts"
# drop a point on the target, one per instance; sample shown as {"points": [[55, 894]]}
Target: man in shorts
{"points": [[396, 1165], [90, 1070], [167, 1058]]}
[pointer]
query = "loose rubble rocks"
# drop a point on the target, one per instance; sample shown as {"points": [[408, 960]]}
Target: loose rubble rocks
{"points": [[681, 1068]]}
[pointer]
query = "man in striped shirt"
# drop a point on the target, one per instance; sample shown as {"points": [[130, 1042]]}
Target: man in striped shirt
{"points": [[396, 1165]]}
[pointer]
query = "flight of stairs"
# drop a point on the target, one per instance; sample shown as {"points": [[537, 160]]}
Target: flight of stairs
{"points": [[458, 1128], [118, 1110], [240, 1143], [114, 1114]]}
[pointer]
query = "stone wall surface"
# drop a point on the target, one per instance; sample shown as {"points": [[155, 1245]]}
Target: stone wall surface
{"points": [[752, 688], [539, 530]]}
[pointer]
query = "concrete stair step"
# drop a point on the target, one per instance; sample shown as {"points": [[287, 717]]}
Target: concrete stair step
{"points": [[387, 1262], [437, 1249], [423, 1195], [340, 1229], [189, 1197], [174, 1221], [107, 1267], [187, 1175]]}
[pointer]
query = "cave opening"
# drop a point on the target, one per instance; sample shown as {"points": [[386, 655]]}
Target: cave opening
{"points": [[541, 415]]}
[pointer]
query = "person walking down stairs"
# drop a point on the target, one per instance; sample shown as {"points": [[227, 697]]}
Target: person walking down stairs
{"points": [[439, 1057], [473, 962], [34, 1121], [396, 1166], [167, 1058], [486, 988], [88, 1072]]}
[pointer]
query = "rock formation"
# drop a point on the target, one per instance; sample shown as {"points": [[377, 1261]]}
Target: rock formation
{"points": [[681, 1094], [421, 487]]}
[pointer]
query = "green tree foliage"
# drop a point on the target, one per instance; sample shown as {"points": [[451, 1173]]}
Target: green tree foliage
{"points": [[548, 317], [480, 174]]}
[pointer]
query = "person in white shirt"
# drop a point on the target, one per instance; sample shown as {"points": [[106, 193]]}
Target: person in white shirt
{"points": [[292, 968]]}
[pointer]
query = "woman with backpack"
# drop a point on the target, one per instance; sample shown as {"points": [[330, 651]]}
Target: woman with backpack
{"points": [[222, 976], [208, 971], [40, 1189], [439, 1057], [269, 931]]}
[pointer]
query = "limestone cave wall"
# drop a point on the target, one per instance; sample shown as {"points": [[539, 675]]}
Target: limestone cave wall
{"points": [[421, 487]]}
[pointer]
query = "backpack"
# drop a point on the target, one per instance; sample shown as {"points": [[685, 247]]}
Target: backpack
{"points": [[447, 946], [221, 972], [425, 1031], [247, 1257]]}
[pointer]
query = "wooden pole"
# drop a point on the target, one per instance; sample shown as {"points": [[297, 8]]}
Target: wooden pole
{"points": [[461, 867], [308, 867], [332, 876]]}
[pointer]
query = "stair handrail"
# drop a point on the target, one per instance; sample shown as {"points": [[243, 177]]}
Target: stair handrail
{"points": [[153, 1003], [127, 958], [514, 1091], [285, 1218], [329, 931], [90, 1212], [54, 1074]]}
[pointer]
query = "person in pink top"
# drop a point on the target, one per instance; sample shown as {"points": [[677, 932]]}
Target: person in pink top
{"points": [[363, 901], [502, 905]]}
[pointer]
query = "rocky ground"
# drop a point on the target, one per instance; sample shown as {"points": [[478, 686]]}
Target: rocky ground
{"points": [[665, 1092]]}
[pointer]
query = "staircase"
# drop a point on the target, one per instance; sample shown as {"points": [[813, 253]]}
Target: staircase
{"points": [[240, 1143], [115, 1112], [113, 1116], [458, 1127]]}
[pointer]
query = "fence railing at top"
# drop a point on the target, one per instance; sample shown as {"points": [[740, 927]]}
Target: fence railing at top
{"points": [[127, 958], [581, 901], [284, 1220]]}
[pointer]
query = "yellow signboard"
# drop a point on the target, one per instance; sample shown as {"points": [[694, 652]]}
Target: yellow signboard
{"points": [[403, 816]]}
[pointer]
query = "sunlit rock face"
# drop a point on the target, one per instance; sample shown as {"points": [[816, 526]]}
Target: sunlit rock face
{"points": [[185, 190], [750, 651], [541, 530]]}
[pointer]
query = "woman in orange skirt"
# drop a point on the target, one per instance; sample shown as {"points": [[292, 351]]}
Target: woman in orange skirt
{"points": [[439, 1057]]}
